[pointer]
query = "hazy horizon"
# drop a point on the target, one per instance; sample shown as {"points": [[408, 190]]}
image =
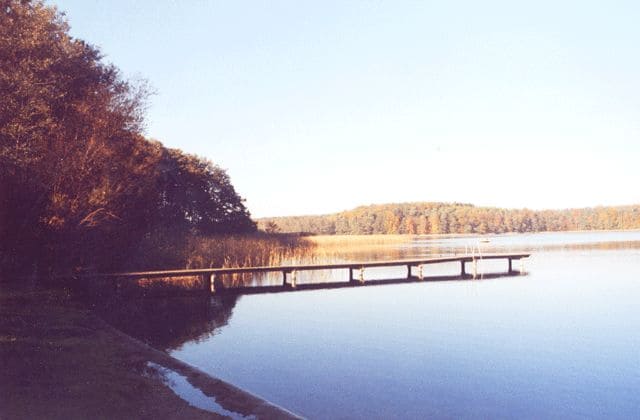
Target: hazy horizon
{"points": [[314, 108]]}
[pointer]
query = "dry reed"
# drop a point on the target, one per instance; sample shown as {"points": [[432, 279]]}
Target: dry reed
{"points": [[359, 241], [268, 250], [246, 250]]}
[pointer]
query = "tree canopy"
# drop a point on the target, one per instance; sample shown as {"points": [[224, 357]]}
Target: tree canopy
{"points": [[79, 184], [426, 218]]}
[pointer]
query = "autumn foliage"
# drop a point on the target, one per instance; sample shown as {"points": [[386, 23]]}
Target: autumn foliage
{"points": [[80, 187], [445, 218]]}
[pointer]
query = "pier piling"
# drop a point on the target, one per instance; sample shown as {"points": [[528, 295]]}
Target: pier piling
{"points": [[212, 277]]}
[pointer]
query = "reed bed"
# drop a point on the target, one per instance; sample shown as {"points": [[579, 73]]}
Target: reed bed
{"points": [[359, 241], [246, 250], [160, 286], [263, 249], [168, 250]]}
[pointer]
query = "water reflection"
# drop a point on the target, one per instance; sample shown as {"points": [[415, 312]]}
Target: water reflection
{"points": [[561, 342], [167, 323], [526, 243], [445, 245]]}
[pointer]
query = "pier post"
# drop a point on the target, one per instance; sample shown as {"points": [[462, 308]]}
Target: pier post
{"points": [[207, 279], [420, 272], [284, 277], [293, 279], [510, 266], [215, 283], [462, 268], [408, 271], [361, 275], [475, 268], [350, 273]]}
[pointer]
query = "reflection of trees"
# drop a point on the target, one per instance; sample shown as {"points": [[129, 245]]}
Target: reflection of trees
{"points": [[167, 323], [586, 246], [447, 246], [613, 245]]}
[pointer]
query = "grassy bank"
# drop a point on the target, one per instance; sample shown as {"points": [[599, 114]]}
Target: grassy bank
{"points": [[60, 362]]}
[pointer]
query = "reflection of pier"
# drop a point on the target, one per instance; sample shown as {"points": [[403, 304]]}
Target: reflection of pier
{"points": [[416, 271]]}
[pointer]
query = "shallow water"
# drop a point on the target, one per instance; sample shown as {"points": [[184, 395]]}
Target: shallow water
{"points": [[560, 342], [181, 386]]}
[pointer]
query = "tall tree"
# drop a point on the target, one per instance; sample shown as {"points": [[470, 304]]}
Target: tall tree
{"points": [[79, 184]]}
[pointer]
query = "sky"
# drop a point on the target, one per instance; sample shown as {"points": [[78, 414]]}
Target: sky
{"points": [[318, 107]]}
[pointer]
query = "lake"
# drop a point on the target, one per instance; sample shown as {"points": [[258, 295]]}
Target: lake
{"points": [[561, 341]]}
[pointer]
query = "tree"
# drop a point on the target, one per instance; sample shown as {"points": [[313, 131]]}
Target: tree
{"points": [[434, 223], [272, 227], [61, 110], [79, 184], [462, 218], [199, 196]]}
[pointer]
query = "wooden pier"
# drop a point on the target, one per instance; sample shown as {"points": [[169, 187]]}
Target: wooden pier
{"points": [[416, 271]]}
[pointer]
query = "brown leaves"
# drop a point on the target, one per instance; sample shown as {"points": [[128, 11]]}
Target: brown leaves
{"points": [[84, 185]]}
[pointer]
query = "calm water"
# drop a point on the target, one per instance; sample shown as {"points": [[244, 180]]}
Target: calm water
{"points": [[562, 341]]}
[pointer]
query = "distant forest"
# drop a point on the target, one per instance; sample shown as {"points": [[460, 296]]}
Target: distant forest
{"points": [[424, 218], [80, 185]]}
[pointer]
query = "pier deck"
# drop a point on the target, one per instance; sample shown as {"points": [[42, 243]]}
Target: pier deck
{"points": [[213, 276]]}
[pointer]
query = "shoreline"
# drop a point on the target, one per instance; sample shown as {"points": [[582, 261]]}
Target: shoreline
{"points": [[227, 395], [455, 235], [61, 360]]}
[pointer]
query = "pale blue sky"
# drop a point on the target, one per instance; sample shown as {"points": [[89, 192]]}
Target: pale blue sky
{"points": [[316, 107]]}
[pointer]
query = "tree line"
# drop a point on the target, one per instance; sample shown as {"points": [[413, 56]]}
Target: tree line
{"points": [[443, 218], [80, 185]]}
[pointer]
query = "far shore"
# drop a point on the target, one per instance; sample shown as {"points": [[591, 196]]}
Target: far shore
{"points": [[404, 236]]}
